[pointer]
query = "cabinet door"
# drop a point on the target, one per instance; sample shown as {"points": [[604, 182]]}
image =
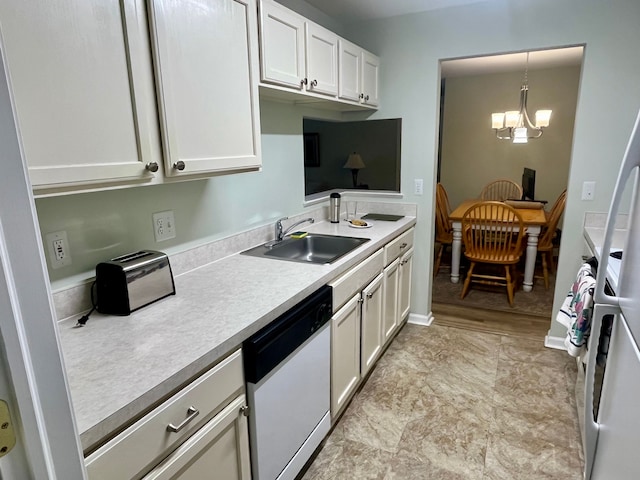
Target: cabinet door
{"points": [[345, 354], [79, 87], [391, 288], [371, 324], [205, 57], [219, 450], [404, 295], [349, 62], [281, 46], [370, 78], [321, 60]]}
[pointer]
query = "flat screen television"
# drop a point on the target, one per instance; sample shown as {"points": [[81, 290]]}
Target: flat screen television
{"points": [[528, 184]]}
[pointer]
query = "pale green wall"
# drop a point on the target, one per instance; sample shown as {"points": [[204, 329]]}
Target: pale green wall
{"points": [[102, 225], [411, 48], [471, 154]]}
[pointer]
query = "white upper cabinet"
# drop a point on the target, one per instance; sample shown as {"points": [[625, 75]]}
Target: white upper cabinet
{"points": [[322, 60], [370, 75], [282, 46], [358, 74], [298, 56], [206, 64], [75, 69], [350, 59]]}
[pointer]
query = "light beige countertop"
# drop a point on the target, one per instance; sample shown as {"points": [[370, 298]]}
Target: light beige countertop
{"points": [[119, 368]]}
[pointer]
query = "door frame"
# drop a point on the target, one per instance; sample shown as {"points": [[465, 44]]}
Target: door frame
{"points": [[48, 445]]}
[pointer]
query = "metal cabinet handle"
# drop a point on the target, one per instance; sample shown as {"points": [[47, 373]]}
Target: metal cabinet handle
{"points": [[360, 300], [404, 262], [152, 166], [362, 95], [366, 99], [314, 83], [370, 295], [303, 81], [244, 410], [192, 412], [404, 245], [179, 165]]}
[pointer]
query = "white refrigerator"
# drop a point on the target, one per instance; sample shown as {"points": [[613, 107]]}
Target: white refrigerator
{"points": [[612, 393]]}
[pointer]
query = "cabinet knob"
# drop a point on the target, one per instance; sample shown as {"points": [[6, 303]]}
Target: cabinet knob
{"points": [[366, 99], [360, 300], [179, 165], [370, 295], [244, 410], [303, 81], [404, 262], [362, 95], [314, 83], [152, 166]]}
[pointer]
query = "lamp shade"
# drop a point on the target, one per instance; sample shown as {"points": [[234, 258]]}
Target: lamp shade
{"points": [[520, 135], [542, 118], [354, 162], [512, 118], [497, 120]]}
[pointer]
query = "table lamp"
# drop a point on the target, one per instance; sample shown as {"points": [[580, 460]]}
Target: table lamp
{"points": [[355, 163]]}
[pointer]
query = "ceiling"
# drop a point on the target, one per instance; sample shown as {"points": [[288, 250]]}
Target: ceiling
{"points": [[348, 11], [357, 10]]}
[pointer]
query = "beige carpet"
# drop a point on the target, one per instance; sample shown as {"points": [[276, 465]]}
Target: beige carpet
{"points": [[537, 302]]}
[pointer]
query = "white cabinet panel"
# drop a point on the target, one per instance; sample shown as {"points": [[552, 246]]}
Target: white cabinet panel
{"points": [[206, 66], [350, 66], [404, 295], [371, 324], [321, 60], [345, 354], [370, 79], [281, 46], [391, 289], [75, 68]]}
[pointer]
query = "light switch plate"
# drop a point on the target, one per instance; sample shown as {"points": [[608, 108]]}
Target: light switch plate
{"points": [[164, 227], [418, 186]]}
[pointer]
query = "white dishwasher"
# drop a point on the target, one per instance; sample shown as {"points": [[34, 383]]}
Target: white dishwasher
{"points": [[287, 368]]}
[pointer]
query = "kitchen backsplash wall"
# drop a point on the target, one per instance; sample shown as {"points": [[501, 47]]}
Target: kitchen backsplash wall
{"points": [[102, 225]]}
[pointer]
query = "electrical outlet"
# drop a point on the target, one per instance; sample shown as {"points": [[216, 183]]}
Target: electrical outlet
{"points": [[164, 227], [418, 186], [58, 246], [588, 190]]}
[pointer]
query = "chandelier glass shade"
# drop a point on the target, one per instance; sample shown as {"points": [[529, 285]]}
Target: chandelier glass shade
{"points": [[515, 125]]}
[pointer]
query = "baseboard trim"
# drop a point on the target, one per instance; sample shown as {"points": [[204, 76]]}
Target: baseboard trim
{"points": [[417, 319], [554, 342]]}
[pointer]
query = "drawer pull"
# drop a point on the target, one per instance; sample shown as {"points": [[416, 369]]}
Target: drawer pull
{"points": [[192, 412], [404, 245], [369, 295]]}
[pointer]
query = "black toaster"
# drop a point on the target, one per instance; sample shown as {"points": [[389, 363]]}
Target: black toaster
{"points": [[127, 283]]}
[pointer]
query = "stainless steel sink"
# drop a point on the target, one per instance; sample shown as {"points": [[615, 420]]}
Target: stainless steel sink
{"points": [[314, 248]]}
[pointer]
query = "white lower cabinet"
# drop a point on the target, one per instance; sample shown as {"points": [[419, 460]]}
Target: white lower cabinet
{"points": [[371, 324], [345, 353], [404, 284], [390, 318], [198, 433], [219, 450], [369, 303]]}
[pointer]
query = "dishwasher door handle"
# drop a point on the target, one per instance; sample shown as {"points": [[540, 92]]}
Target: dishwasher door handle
{"points": [[192, 412]]}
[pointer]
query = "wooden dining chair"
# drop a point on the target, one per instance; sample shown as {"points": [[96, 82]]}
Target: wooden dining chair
{"points": [[444, 230], [492, 233], [547, 235], [501, 190]]}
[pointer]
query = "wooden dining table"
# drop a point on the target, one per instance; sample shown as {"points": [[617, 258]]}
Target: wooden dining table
{"points": [[533, 219]]}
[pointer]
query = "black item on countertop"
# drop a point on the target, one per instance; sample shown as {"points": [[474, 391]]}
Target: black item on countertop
{"points": [[382, 216], [617, 254]]}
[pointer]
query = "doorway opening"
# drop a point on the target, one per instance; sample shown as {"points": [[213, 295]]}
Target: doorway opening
{"points": [[470, 155]]}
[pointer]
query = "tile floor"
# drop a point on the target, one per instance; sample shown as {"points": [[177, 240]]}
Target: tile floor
{"points": [[445, 403]]}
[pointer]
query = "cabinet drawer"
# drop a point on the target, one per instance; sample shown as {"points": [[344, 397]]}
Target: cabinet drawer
{"points": [[346, 285], [149, 440], [397, 247]]}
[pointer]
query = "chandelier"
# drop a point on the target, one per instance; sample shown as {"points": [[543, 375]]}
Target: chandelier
{"points": [[516, 125]]}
